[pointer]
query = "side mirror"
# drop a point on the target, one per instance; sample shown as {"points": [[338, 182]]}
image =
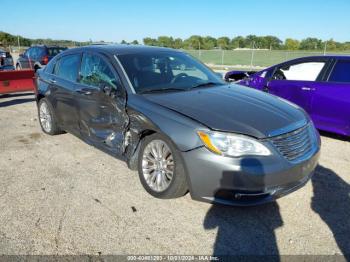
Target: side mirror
{"points": [[110, 90]]}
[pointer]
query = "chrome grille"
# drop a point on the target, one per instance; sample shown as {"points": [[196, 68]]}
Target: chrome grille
{"points": [[294, 145]]}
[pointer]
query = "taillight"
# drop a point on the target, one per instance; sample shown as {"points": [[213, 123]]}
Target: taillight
{"points": [[45, 60]]}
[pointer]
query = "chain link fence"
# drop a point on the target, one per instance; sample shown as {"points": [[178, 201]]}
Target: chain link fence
{"points": [[250, 58]]}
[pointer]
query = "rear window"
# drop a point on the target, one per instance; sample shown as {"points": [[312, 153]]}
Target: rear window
{"points": [[52, 51], [341, 72], [67, 67]]}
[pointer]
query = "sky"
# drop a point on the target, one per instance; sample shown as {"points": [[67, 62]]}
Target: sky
{"points": [[116, 20]]}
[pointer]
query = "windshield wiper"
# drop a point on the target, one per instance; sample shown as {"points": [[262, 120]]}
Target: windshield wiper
{"points": [[206, 84], [158, 90]]}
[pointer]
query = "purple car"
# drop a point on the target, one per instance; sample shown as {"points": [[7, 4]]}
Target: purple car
{"points": [[319, 84]]}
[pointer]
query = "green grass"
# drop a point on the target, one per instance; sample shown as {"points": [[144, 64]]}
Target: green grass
{"points": [[262, 58]]}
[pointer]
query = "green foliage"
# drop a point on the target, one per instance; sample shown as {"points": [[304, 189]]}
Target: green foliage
{"points": [[7, 39], [291, 44], [165, 41], [223, 42], [311, 44], [150, 41], [196, 42]]}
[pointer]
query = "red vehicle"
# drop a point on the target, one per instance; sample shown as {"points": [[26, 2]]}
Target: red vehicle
{"points": [[16, 81], [12, 81]]}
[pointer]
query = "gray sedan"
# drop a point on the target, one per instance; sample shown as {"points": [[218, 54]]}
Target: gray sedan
{"points": [[175, 121]]}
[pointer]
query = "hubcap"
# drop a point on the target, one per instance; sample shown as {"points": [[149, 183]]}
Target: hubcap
{"points": [[45, 117], [158, 165]]}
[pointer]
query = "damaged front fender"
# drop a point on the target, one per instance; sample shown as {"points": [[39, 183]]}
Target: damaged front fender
{"points": [[157, 119]]}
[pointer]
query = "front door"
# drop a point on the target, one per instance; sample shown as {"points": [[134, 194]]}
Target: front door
{"points": [[102, 102], [295, 82]]}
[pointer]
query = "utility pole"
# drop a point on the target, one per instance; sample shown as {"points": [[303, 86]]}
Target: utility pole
{"points": [[199, 49], [222, 56], [252, 58], [325, 48], [19, 46]]}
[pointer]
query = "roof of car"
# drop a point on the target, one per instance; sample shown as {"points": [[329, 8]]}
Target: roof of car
{"points": [[123, 49], [323, 56], [49, 46]]}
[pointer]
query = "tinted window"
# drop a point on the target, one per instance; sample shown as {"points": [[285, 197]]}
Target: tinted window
{"points": [[50, 66], [40, 52], [341, 72], [67, 67], [308, 71], [30, 52], [52, 51], [96, 72]]}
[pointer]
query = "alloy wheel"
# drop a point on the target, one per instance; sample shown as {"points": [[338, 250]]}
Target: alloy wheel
{"points": [[158, 165], [45, 117]]}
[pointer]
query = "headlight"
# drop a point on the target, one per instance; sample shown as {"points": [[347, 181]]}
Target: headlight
{"points": [[232, 145]]}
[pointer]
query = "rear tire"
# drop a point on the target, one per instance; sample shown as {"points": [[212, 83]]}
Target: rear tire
{"points": [[47, 118], [161, 169]]}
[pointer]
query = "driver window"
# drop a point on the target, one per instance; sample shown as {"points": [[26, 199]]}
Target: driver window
{"points": [[96, 72], [308, 71]]}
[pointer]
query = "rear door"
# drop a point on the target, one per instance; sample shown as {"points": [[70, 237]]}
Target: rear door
{"points": [[102, 101], [330, 109], [295, 81], [63, 84]]}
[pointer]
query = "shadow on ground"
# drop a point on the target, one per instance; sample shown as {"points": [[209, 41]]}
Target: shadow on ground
{"points": [[331, 201], [334, 136], [16, 99], [251, 230]]}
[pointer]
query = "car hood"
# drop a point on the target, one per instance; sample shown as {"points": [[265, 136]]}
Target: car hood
{"points": [[233, 108]]}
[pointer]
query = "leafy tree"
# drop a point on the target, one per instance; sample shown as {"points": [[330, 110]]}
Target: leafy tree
{"points": [[273, 42], [165, 41], [194, 42], [149, 41], [135, 42], [208, 43], [178, 43], [331, 45], [238, 42], [291, 44], [123, 42], [223, 42], [311, 44]]}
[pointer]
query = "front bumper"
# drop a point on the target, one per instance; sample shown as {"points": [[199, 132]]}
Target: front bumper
{"points": [[244, 181]]}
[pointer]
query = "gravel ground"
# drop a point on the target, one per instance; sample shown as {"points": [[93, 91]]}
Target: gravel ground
{"points": [[61, 196]]}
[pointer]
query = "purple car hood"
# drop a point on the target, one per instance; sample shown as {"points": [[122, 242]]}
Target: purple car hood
{"points": [[233, 108]]}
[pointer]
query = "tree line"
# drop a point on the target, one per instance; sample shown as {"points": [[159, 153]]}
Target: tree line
{"points": [[250, 41], [199, 42]]}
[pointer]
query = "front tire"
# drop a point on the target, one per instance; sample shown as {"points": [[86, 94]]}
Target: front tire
{"points": [[47, 118], [160, 167]]}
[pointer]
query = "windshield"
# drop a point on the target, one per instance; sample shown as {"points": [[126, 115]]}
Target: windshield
{"points": [[166, 71]]}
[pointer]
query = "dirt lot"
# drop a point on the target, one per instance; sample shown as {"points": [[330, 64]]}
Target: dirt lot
{"points": [[61, 196]]}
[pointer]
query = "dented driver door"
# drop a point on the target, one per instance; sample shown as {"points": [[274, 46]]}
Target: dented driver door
{"points": [[102, 115]]}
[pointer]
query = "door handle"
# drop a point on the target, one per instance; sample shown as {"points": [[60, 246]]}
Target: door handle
{"points": [[307, 88]]}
